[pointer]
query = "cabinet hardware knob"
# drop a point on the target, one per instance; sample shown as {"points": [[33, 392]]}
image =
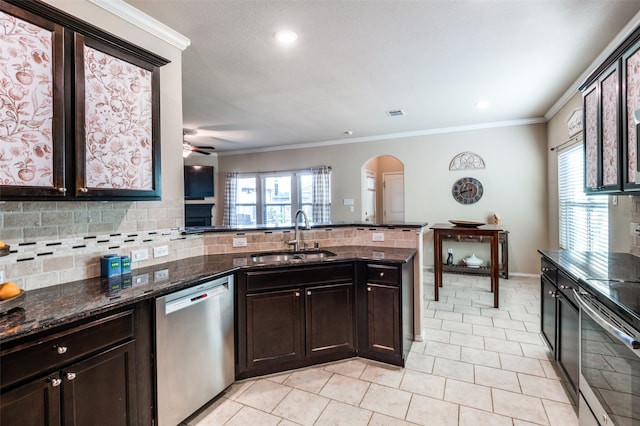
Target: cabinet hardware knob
{"points": [[297, 293], [70, 376], [551, 292], [62, 189], [382, 274], [368, 288], [308, 293], [566, 287], [60, 349], [55, 382], [84, 190]]}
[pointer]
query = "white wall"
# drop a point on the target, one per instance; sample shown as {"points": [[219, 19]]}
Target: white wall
{"points": [[514, 180]]}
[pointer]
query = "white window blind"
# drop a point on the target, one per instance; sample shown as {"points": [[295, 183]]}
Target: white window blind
{"points": [[584, 220]]}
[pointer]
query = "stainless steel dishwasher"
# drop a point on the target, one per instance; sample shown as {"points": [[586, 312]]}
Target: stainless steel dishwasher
{"points": [[194, 348]]}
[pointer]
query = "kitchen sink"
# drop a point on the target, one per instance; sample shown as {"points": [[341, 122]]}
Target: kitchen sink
{"points": [[282, 256]]}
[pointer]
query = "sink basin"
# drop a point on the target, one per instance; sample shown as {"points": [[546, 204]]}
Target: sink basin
{"points": [[282, 256]]}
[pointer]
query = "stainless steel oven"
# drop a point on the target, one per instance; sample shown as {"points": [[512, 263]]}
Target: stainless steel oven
{"points": [[609, 364]]}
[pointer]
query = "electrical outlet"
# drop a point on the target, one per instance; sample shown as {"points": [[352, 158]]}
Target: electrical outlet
{"points": [[2, 276], [138, 255], [377, 236], [239, 242], [161, 251]]}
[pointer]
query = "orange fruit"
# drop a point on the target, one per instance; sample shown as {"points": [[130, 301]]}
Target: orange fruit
{"points": [[9, 290], [2, 244]]}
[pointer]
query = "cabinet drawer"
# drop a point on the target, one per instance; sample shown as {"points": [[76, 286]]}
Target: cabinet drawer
{"points": [[383, 274], [549, 270], [56, 350], [295, 277]]}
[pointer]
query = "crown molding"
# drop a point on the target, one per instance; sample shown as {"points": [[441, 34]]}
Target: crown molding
{"points": [[142, 20], [437, 131]]}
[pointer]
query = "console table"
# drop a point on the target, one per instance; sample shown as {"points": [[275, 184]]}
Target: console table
{"points": [[447, 230]]}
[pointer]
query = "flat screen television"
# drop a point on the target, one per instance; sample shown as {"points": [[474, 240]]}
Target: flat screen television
{"points": [[198, 182]]}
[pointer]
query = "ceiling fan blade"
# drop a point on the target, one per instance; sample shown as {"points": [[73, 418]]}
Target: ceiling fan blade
{"points": [[199, 151]]}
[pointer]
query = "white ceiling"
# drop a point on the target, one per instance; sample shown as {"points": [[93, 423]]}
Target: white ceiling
{"points": [[354, 60]]}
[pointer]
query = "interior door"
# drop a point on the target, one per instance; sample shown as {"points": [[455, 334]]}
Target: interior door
{"points": [[393, 197]]}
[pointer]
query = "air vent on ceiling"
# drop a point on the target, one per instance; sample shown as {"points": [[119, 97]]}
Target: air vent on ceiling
{"points": [[395, 112]]}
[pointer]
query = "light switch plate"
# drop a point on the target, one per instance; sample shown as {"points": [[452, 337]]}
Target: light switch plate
{"points": [[161, 275]]}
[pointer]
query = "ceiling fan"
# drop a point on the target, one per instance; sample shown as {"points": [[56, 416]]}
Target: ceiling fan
{"points": [[188, 148]]}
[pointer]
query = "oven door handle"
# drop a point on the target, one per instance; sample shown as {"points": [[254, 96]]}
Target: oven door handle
{"points": [[629, 341]]}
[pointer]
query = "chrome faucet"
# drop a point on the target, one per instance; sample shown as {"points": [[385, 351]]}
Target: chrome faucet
{"points": [[296, 241]]}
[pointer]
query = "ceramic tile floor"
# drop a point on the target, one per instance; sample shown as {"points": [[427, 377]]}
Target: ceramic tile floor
{"points": [[477, 366]]}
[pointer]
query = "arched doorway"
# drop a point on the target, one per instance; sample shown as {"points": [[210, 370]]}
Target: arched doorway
{"points": [[382, 189]]}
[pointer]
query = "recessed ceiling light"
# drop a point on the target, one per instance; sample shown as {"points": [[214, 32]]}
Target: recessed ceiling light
{"points": [[481, 105], [286, 36]]}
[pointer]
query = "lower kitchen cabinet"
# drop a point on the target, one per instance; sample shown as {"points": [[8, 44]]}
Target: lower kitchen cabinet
{"points": [[274, 328], [97, 372], [293, 316], [560, 322], [386, 317]]}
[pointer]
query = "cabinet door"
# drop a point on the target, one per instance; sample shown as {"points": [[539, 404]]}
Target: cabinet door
{"points": [[101, 390], [548, 312], [32, 114], [568, 342], [610, 129], [631, 119], [117, 123], [590, 101], [383, 319], [36, 403], [274, 328], [329, 319]]}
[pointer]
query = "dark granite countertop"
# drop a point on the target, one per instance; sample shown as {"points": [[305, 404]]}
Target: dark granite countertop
{"points": [[612, 277], [61, 304], [247, 228]]}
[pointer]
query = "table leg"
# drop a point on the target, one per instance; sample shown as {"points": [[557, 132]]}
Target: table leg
{"points": [[437, 263], [495, 270]]}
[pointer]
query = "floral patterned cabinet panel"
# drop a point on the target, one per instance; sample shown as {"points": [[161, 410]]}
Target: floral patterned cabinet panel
{"points": [[32, 145], [591, 137], [610, 132], [631, 80], [117, 122]]}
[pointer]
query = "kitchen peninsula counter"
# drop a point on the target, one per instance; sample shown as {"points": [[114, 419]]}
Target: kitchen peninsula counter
{"points": [[281, 227], [65, 303]]}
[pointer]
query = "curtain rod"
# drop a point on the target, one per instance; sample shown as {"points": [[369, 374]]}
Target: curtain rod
{"points": [[575, 138]]}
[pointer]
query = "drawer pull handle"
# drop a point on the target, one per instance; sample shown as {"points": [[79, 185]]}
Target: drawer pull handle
{"points": [[83, 190], [70, 376], [297, 293], [55, 382], [382, 274], [566, 287], [60, 349], [62, 189]]}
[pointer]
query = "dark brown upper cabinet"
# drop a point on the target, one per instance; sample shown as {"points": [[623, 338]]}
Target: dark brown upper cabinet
{"points": [[602, 133], [611, 97], [631, 117], [81, 117]]}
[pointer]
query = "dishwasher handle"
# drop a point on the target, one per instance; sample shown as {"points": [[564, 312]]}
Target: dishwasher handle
{"points": [[195, 298]]}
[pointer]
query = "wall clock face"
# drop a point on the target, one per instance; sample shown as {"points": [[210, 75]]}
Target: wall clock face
{"points": [[467, 190]]}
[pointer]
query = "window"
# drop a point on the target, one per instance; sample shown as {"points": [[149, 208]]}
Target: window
{"points": [[584, 220], [273, 198]]}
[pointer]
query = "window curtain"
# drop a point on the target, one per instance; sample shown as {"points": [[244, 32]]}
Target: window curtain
{"points": [[583, 219], [321, 195], [230, 218]]}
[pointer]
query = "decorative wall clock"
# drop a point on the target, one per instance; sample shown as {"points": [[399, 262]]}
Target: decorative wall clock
{"points": [[467, 190]]}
